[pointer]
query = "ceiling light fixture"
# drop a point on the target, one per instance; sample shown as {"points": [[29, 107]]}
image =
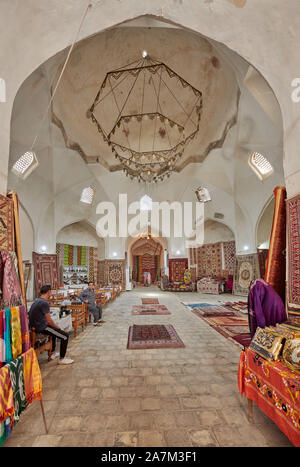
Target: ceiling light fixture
{"points": [[166, 117], [260, 165], [202, 194]]}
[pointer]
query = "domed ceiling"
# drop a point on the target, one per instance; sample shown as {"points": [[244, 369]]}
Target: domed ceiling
{"points": [[183, 95]]}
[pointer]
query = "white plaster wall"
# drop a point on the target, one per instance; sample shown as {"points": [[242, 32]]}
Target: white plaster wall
{"points": [[264, 226], [27, 246], [215, 232]]}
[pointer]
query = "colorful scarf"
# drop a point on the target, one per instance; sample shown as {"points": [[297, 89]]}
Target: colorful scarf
{"points": [[32, 376], [2, 359], [16, 336], [7, 336], [24, 329], [17, 380], [6, 394], [4, 337]]}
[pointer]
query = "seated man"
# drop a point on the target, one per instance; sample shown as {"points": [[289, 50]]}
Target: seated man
{"points": [[88, 296], [40, 319]]}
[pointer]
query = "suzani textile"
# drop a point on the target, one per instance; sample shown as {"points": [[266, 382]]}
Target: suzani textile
{"points": [[276, 262], [293, 230], [229, 256], [177, 268], [11, 289], [275, 389]]}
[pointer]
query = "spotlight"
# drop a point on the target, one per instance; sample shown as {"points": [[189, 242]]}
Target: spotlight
{"points": [[25, 165], [145, 53]]}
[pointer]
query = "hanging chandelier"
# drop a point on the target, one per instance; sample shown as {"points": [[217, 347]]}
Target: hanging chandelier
{"points": [[147, 114]]}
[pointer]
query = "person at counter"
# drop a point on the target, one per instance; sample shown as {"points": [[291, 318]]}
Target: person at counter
{"points": [[88, 296], [41, 321]]}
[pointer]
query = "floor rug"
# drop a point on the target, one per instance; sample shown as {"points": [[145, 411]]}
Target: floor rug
{"points": [[243, 340], [204, 309], [153, 336], [150, 301], [237, 306], [150, 310], [227, 320]]}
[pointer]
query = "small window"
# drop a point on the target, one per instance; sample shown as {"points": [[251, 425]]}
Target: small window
{"points": [[260, 165], [2, 90], [25, 165], [87, 195]]}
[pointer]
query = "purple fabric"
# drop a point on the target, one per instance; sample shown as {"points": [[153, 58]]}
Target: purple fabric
{"points": [[266, 308]]}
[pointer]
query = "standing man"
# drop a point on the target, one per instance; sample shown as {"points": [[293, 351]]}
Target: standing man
{"points": [[40, 319], [88, 296]]}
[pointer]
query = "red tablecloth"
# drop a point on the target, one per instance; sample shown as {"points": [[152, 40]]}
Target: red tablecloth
{"points": [[275, 389]]}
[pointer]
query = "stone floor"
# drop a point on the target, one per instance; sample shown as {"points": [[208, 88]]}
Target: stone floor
{"points": [[112, 396]]}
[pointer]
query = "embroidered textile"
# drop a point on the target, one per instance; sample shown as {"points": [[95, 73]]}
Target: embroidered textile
{"points": [[12, 295], [276, 262], [6, 394], [275, 389], [246, 270], [152, 337], [16, 336], [45, 270], [293, 231], [17, 380], [209, 259], [177, 268], [7, 239], [32, 376], [229, 256]]}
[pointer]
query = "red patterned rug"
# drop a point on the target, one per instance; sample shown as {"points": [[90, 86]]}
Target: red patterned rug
{"points": [[150, 301], [153, 336], [230, 322], [150, 310]]}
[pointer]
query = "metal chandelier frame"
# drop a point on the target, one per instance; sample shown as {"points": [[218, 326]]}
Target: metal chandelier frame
{"points": [[153, 165]]}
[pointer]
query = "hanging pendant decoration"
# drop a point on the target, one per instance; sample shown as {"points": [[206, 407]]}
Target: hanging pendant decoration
{"points": [[147, 114]]}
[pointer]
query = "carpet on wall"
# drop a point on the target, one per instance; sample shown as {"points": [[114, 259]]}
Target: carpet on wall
{"points": [[46, 270], [7, 236], [150, 301], [229, 256], [153, 336], [262, 260], [150, 310], [293, 230], [276, 261], [177, 268], [209, 259], [246, 270]]}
